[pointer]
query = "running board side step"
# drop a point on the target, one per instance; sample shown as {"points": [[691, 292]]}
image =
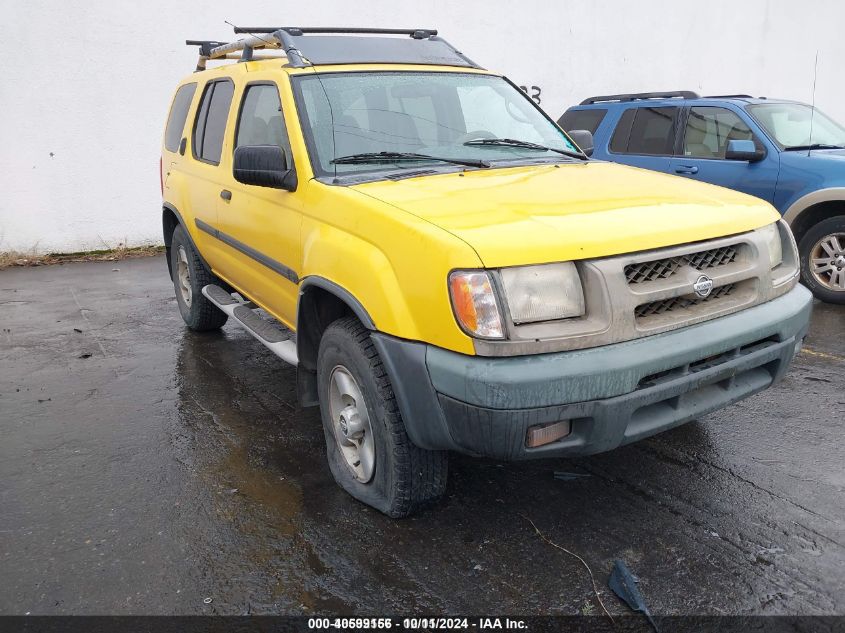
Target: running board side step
{"points": [[277, 340]]}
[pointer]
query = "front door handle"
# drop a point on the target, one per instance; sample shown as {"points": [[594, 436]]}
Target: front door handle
{"points": [[226, 194], [686, 169]]}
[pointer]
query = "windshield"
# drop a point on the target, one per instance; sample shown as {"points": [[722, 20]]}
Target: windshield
{"points": [[789, 125], [432, 113]]}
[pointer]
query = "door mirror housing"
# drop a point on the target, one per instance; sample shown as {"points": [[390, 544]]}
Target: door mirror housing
{"points": [[263, 166], [744, 150], [583, 139]]}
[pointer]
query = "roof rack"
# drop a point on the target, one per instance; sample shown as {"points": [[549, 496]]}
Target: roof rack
{"points": [[335, 45], [637, 96]]}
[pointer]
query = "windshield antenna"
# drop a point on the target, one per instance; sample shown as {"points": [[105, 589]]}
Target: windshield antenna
{"points": [[249, 32], [813, 106]]}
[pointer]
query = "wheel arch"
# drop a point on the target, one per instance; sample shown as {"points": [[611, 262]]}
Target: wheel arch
{"points": [[170, 219], [321, 302], [813, 208]]}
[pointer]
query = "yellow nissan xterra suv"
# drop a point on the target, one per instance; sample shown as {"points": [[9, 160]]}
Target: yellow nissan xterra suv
{"points": [[447, 269]]}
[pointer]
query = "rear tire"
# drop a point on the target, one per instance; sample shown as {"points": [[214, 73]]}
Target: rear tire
{"points": [[822, 251], [189, 277], [361, 420]]}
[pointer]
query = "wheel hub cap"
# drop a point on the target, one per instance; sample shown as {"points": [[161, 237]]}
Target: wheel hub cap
{"points": [[827, 262], [351, 424]]}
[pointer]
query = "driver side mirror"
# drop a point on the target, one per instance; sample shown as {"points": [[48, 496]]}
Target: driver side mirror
{"points": [[263, 166], [583, 139], [744, 150]]}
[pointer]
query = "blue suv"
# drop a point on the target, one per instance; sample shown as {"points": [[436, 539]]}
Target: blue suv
{"points": [[784, 152]]}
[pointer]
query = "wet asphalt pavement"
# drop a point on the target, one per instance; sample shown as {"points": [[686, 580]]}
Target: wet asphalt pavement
{"points": [[145, 469]]}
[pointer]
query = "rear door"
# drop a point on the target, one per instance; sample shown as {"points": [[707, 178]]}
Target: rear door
{"points": [[645, 137], [707, 130], [203, 171]]}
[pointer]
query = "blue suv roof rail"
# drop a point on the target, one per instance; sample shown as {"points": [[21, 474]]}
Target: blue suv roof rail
{"points": [[638, 96], [732, 97]]}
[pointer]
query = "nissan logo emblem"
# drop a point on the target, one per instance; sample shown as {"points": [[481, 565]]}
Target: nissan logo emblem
{"points": [[703, 286]]}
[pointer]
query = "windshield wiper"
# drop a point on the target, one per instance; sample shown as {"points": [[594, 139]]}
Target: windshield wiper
{"points": [[392, 157], [793, 148], [512, 142]]}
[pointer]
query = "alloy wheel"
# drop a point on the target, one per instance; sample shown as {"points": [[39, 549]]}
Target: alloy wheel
{"points": [[827, 261]]}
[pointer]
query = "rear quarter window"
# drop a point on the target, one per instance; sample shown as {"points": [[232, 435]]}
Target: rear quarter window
{"points": [[582, 119], [178, 115]]}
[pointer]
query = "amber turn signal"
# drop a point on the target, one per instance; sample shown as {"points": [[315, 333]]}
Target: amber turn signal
{"points": [[541, 434]]}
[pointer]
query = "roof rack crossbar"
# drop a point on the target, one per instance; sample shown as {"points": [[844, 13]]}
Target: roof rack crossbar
{"points": [[637, 96], [278, 39], [417, 34]]}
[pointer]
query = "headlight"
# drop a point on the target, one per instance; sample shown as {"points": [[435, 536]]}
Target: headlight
{"points": [[474, 303], [771, 235], [543, 293]]}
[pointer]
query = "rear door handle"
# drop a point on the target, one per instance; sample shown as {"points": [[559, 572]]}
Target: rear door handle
{"points": [[686, 169], [226, 194]]}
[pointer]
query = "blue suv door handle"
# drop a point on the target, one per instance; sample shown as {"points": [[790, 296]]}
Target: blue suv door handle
{"points": [[686, 169]]}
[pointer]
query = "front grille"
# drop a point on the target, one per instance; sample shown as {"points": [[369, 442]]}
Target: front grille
{"points": [[663, 306], [665, 268], [713, 257]]}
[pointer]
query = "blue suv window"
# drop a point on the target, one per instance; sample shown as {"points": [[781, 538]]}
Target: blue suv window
{"points": [[649, 131], [582, 119], [710, 128]]}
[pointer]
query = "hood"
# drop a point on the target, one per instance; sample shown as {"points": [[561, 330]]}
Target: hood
{"points": [[831, 159], [547, 213]]}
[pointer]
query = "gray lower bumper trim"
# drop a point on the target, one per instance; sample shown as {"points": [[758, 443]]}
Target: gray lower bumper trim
{"points": [[604, 372], [613, 394]]}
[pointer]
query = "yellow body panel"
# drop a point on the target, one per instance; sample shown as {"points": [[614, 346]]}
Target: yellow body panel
{"points": [[551, 213], [391, 244]]}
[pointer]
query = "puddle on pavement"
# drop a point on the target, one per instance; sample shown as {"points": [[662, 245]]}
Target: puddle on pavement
{"points": [[243, 445]]}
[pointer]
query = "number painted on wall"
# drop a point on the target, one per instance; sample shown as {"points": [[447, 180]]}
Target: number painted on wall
{"points": [[534, 92]]}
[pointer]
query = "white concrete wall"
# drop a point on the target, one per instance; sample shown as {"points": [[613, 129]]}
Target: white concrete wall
{"points": [[83, 110]]}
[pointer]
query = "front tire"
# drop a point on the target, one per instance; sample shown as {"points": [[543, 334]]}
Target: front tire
{"points": [[822, 251], [368, 449], [190, 276]]}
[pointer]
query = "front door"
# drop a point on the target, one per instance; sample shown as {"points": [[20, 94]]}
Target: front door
{"points": [[259, 226], [706, 134]]}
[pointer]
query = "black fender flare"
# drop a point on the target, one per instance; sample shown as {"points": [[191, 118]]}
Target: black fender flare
{"points": [[309, 329]]}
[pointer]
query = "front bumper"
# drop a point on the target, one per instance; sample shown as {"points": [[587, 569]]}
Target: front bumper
{"points": [[613, 395]]}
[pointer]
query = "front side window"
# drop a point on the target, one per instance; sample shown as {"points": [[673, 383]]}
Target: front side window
{"points": [[433, 113], [210, 125], [260, 121], [710, 128], [795, 126], [646, 130]]}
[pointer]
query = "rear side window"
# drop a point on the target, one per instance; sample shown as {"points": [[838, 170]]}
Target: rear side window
{"points": [[210, 125], [178, 114], [582, 120], [649, 131]]}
